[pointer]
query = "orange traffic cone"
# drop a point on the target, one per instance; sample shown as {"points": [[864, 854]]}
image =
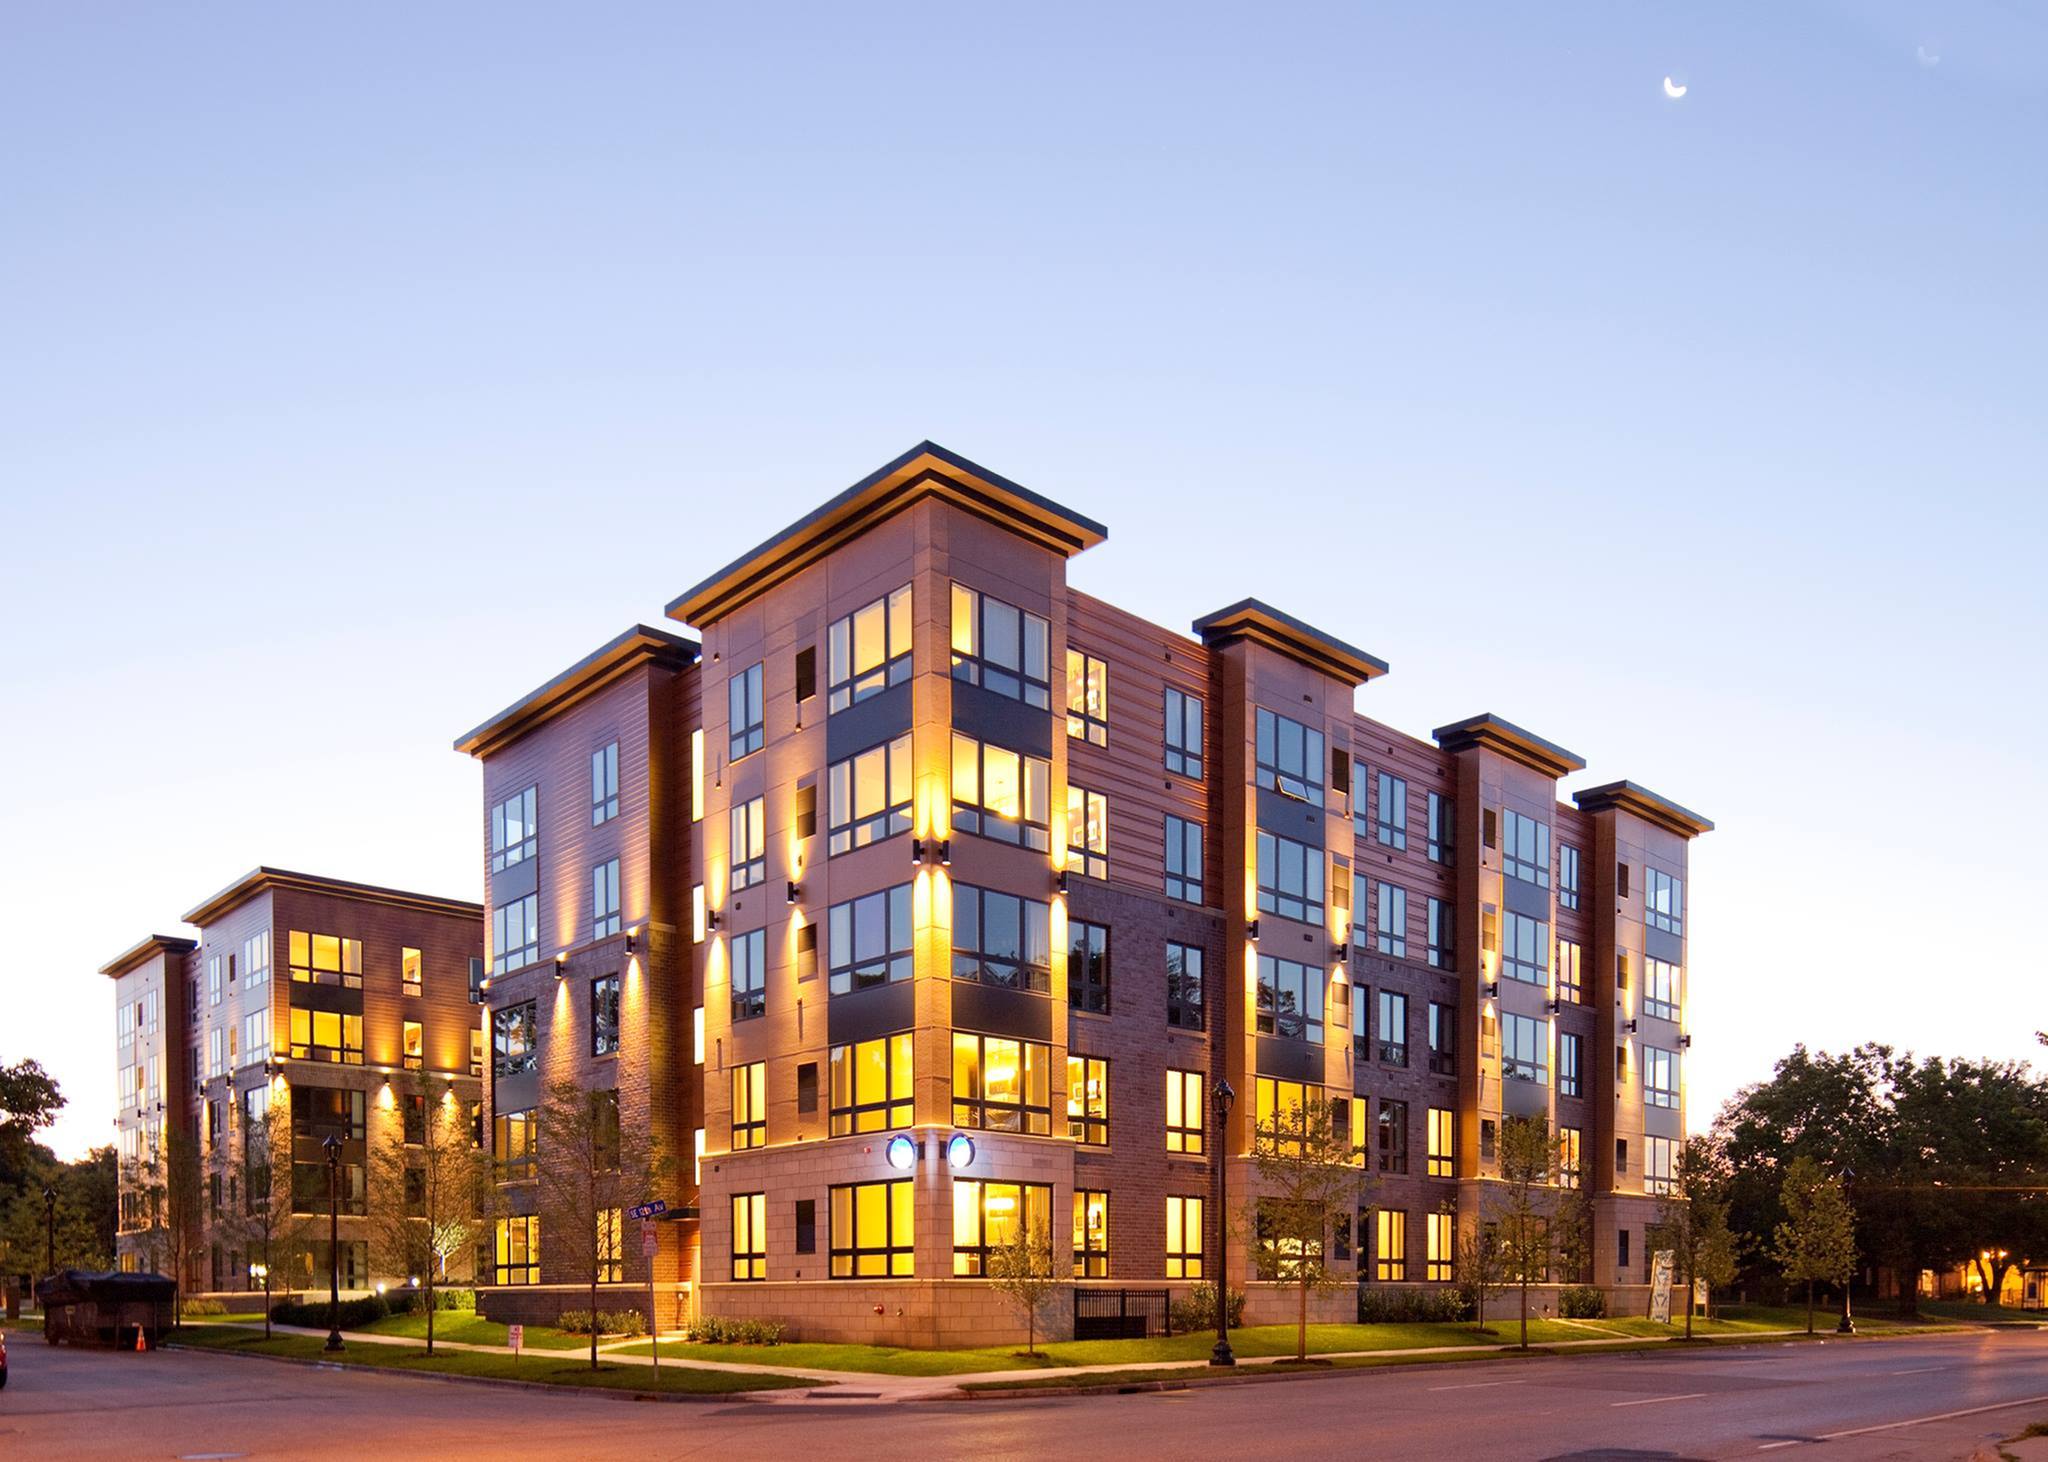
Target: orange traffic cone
{"points": [[139, 1346]]}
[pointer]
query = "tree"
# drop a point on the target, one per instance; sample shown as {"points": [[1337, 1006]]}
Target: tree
{"points": [[1521, 1204], [1692, 1219], [591, 1172], [80, 1238], [1571, 1232], [29, 1101], [1020, 1269], [1816, 1243], [1480, 1268], [1309, 1173], [428, 1197], [270, 1232], [184, 1204]]}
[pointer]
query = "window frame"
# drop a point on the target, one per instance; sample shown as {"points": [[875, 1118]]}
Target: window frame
{"points": [[1181, 757], [604, 784], [972, 661], [1030, 1114], [847, 681], [849, 827], [1088, 1123], [746, 713], [1087, 697], [1270, 771], [848, 1249]]}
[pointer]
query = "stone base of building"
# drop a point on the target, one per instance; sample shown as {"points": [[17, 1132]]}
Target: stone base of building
{"points": [[543, 1304]]}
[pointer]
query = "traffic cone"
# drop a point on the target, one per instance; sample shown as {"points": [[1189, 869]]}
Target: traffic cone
{"points": [[139, 1346]]}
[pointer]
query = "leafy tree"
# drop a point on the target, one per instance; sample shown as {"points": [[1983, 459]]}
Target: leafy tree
{"points": [[594, 1171], [428, 1199], [1520, 1205], [1571, 1233], [269, 1231], [1309, 1173], [1021, 1271], [184, 1205], [1481, 1268], [1692, 1220], [29, 1102], [82, 1232], [1816, 1242]]}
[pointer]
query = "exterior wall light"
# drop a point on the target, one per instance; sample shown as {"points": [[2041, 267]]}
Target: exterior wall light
{"points": [[1493, 989], [1630, 1027], [916, 852], [960, 1151], [945, 852], [901, 1151], [794, 893], [1059, 880], [1251, 931]]}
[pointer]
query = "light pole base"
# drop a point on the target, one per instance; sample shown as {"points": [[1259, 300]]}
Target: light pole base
{"points": [[333, 1345], [1222, 1355], [1845, 1326]]}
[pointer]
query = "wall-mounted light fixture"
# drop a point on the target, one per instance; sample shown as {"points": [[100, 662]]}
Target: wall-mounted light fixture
{"points": [[1685, 1041], [1629, 1026], [960, 1150], [945, 852], [794, 893], [1059, 880], [901, 1151], [1492, 989], [562, 965], [711, 920], [1341, 953], [916, 851], [1251, 931]]}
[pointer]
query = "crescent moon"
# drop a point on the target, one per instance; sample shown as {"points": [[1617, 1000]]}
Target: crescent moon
{"points": [[1672, 89]]}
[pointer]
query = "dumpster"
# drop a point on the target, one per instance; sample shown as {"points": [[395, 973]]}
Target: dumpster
{"points": [[128, 1311]]}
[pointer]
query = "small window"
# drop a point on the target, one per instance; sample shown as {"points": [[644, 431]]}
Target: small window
{"points": [[750, 975], [409, 970], [1087, 832], [1183, 859], [1184, 986], [807, 810], [807, 1089], [998, 793], [1487, 833], [1183, 733], [807, 1225], [1088, 967], [415, 1045], [1621, 1166], [807, 952], [745, 719], [1621, 880], [806, 673], [1087, 698], [748, 821], [1340, 770], [604, 784]]}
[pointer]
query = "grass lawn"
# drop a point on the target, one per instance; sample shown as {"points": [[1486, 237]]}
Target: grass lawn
{"points": [[1970, 1312], [472, 1329], [1793, 1317], [551, 1369]]}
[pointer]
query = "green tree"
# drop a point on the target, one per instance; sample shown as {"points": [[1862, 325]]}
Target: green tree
{"points": [[29, 1102], [1309, 1173], [1692, 1220], [1020, 1269], [591, 1171], [1816, 1241], [1519, 1205], [271, 1234], [1481, 1268], [429, 1199]]}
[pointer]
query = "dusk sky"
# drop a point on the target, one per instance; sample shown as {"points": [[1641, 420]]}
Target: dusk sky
{"points": [[362, 366]]}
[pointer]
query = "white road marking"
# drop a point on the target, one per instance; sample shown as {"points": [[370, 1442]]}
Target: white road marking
{"points": [[1938, 1416], [1919, 1370], [1653, 1400], [1773, 1446], [1477, 1385]]}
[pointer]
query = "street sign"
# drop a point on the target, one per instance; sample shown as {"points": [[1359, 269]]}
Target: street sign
{"points": [[515, 1335], [653, 1208], [1660, 1286], [650, 1238]]}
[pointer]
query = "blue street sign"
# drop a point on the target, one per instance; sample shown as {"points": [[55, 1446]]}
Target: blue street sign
{"points": [[652, 1209]]}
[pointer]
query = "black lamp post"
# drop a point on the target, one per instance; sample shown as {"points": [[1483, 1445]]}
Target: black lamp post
{"points": [[49, 1231], [333, 1146], [1847, 1324], [1223, 1096]]}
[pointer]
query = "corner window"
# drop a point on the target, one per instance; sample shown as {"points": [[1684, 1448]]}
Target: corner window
{"points": [[1001, 794], [871, 1085], [1087, 698], [874, 1230], [1289, 758], [604, 784], [868, 940], [868, 650], [1290, 999], [321, 959], [988, 1217], [1002, 1085], [1183, 733], [869, 793], [515, 829], [744, 715], [1001, 648], [1001, 939], [1526, 848]]}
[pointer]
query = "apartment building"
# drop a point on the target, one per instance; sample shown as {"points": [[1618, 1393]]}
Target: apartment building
{"points": [[956, 893], [332, 998]]}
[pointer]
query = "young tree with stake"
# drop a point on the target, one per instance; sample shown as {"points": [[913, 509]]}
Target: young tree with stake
{"points": [[592, 1173], [431, 1190], [1521, 1204], [1020, 1269], [1309, 1173], [1816, 1244], [1692, 1220]]}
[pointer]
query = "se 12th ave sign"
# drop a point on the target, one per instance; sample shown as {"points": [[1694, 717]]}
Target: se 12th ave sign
{"points": [[653, 1208]]}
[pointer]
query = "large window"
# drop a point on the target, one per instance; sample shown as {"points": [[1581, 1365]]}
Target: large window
{"points": [[1390, 1244], [1443, 1039], [868, 940], [1088, 967], [1567, 876], [871, 1085], [512, 1145], [1390, 815], [868, 651], [1184, 986], [604, 784], [1443, 1142], [749, 974], [1571, 960], [1525, 848], [1442, 1246], [515, 829], [326, 959], [1088, 1100], [1443, 937], [1525, 1049], [1001, 939], [1087, 698], [744, 714], [1002, 648], [1002, 1085], [1393, 920], [1183, 859], [873, 1230], [1290, 999], [328, 1111], [1663, 901], [1527, 956], [750, 1105], [1393, 1136], [987, 1217], [748, 849], [515, 934], [1393, 1018], [1659, 1163], [749, 1236], [1569, 1077], [1290, 757], [517, 1256], [869, 794], [1660, 988], [1183, 1238], [1441, 812], [1087, 832], [515, 1040], [1290, 878], [1091, 1234], [604, 899], [1185, 1111], [1001, 794], [604, 1015], [1660, 1077], [1183, 733], [326, 1035]]}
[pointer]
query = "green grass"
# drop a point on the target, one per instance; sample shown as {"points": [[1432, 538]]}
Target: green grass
{"points": [[472, 1329], [1971, 1312], [549, 1369], [1793, 1317]]}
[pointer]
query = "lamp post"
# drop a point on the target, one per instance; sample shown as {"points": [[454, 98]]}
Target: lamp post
{"points": [[333, 1146], [1847, 1324], [1223, 1096], [49, 1232]]}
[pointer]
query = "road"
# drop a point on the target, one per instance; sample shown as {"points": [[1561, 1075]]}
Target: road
{"points": [[1837, 1400]]}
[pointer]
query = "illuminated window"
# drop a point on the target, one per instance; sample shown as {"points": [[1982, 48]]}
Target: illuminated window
{"points": [[1290, 878], [604, 899], [749, 1236], [1393, 920], [1001, 648], [1660, 988], [1087, 967], [871, 1085], [744, 721], [868, 650], [869, 795], [1390, 1244], [518, 1250], [868, 940], [1568, 1140], [1184, 1112], [515, 829], [1443, 1142], [1001, 939], [1361, 1021], [1567, 876], [476, 1051], [749, 974], [1290, 758], [1183, 1238], [1442, 1246], [1443, 950], [1088, 1100], [1568, 1076], [750, 1105], [1087, 698], [1525, 851], [415, 1045], [1087, 832], [748, 822], [1659, 1154], [1390, 816], [1663, 901], [409, 971], [1183, 859], [873, 1230], [988, 1217], [1393, 1136], [1184, 986], [517, 1039], [1002, 1085], [697, 775], [1276, 1111], [326, 1035], [1001, 794], [325, 959], [697, 1035], [1393, 1017], [1441, 812], [700, 924], [611, 1246], [1183, 733], [256, 1037], [1660, 1077], [1570, 971], [1290, 999], [1525, 1049], [515, 934], [604, 1015], [1527, 956], [1091, 1234], [512, 1145], [604, 784]]}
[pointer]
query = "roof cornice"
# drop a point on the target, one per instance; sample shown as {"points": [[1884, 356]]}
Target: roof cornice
{"points": [[261, 880], [1260, 623], [1488, 732], [1642, 802], [147, 949], [642, 643]]}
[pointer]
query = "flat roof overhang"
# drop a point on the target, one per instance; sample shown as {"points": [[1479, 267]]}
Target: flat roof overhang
{"points": [[1488, 732], [1260, 623], [1642, 802]]}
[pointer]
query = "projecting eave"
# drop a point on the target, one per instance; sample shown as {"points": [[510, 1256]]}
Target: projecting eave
{"points": [[1262, 624], [147, 950], [1489, 732], [260, 880], [1642, 802], [926, 470], [593, 672]]}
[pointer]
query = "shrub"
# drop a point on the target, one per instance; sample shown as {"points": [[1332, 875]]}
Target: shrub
{"points": [[402, 1301], [1196, 1310], [711, 1330], [1388, 1306], [354, 1313], [1582, 1302], [205, 1307], [455, 1299], [609, 1322]]}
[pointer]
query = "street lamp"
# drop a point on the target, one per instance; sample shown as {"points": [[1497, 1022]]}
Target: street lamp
{"points": [[49, 1231], [1847, 1324], [1223, 1096], [333, 1146]]}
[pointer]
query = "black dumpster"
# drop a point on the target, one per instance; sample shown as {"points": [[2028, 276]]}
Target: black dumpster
{"points": [[81, 1307]]}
